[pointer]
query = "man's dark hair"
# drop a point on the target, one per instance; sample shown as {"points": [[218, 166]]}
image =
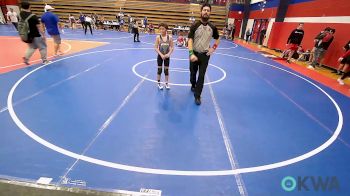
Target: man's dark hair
{"points": [[206, 5], [25, 5], [332, 30], [163, 25]]}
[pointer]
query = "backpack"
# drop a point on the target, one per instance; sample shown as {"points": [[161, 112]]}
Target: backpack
{"points": [[24, 30]]}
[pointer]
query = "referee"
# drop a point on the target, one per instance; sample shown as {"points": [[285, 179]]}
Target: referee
{"points": [[199, 39]]}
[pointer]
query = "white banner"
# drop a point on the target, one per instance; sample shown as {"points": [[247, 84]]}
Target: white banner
{"points": [[231, 21]]}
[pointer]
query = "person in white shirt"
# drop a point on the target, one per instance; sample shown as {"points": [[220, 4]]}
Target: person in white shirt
{"points": [[136, 31], [72, 21], [88, 22], [12, 17]]}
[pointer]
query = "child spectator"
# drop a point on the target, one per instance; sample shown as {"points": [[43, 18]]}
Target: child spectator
{"points": [[180, 40]]}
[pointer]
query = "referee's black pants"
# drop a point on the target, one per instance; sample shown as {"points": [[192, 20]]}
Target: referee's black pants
{"points": [[199, 66]]}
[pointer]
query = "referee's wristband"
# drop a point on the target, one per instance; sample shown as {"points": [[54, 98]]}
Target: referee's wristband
{"points": [[191, 52]]}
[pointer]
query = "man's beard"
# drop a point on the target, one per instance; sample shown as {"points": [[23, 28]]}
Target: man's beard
{"points": [[204, 18]]}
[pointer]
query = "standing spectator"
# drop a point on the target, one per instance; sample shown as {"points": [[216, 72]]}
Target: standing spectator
{"points": [[71, 21], [317, 39], [122, 22], [262, 35], [199, 50], [36, 35], [95, 18], [229, 30], [343, 66], [93, 21], [136, 31], [294, 40], [50, 22], [192, 20], [13, 18], [131, 24], [145, 23], [224, 32], [248, 33], [118, 22], [117, 17], [82, 20], [233, 31], [321, 48], [346, 60]]}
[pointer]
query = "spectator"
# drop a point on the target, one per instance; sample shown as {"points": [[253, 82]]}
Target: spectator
{"points": [[224, 32], [50, 22], [82, 20], [36, 35], [136, 31], [131, 23], [346, 59], [145, 23], [151, 29], [316, 41], [304, 56], [294, 40], [180, 41], [343, 66], [72, 21], [229, 29], [321, 47], [13, 18], [248, 33], [233, 31], [192, 20], [262, 35]]}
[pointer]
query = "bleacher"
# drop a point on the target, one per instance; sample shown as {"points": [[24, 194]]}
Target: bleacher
{"points": [[155, 11]]}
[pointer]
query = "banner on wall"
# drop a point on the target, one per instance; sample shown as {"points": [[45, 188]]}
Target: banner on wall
{"points": [[231, 21]]}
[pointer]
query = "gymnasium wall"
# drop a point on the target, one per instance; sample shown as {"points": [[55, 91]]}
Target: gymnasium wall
{"points": [[270, 10], [318, 8], [236, 11], [317, 15], [8, 2]]}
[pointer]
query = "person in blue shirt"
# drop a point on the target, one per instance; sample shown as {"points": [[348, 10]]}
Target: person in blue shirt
{"points": [[50, 22], [82, 20]]}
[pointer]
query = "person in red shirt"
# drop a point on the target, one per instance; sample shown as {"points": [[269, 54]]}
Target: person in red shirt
{"points": [[180, 40], [321, 47], [346, 60], [343, 66]]}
